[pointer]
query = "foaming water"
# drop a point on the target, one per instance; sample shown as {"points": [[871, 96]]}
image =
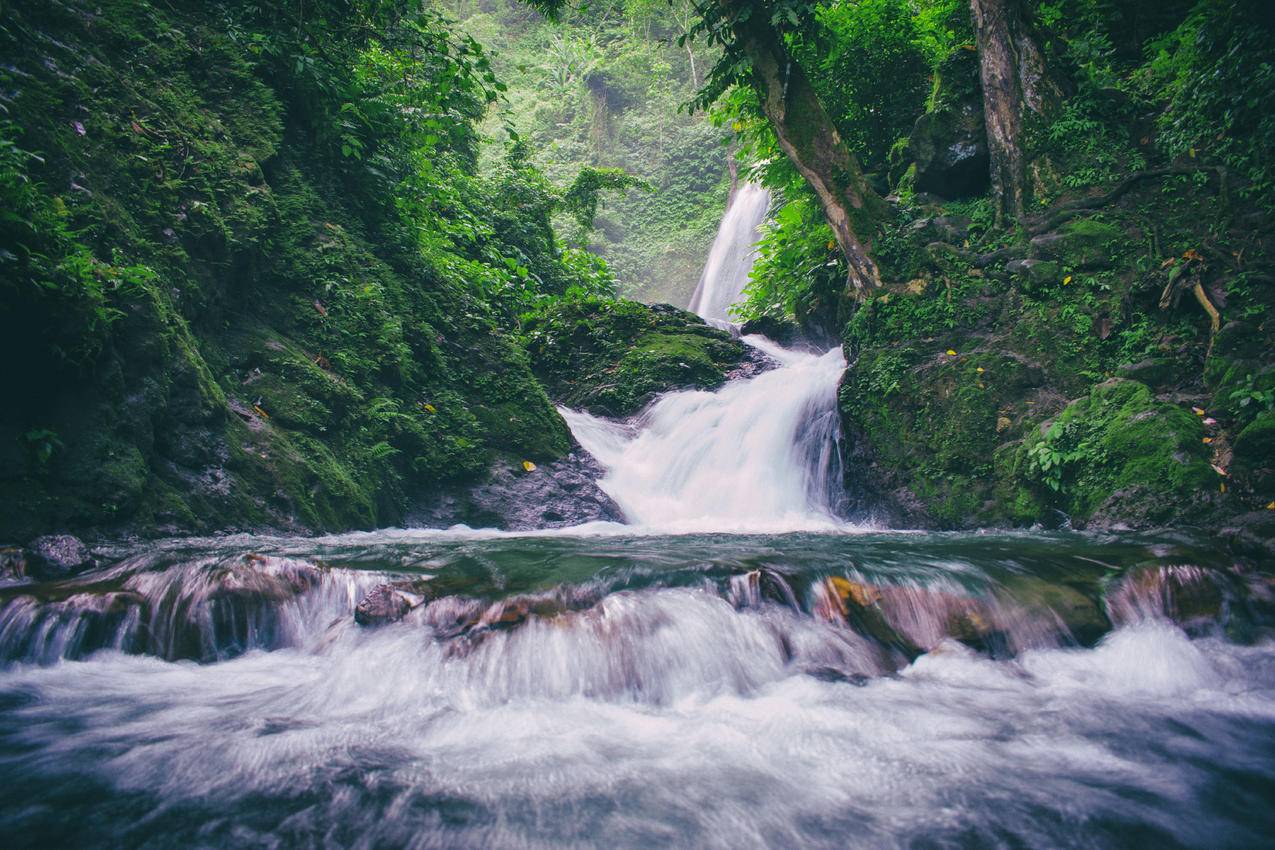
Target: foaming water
{"points": [[756, 455], [813, 690], [731, 257]]}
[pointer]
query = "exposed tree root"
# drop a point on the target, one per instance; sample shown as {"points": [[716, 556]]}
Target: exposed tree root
{"points": [[1073, 209]]}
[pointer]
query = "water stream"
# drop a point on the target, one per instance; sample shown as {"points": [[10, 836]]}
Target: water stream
{"points": [[739, 667], [730, 259]]}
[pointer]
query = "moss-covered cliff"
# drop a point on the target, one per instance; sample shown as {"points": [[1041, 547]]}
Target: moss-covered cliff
{"points": [[1075, 374], [234, 293]]}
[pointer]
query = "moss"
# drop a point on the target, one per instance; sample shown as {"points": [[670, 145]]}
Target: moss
{"points": [[937, 422], [613, 357], [1121, 447], [1255, 455], [275, 350], [1082, 243]]}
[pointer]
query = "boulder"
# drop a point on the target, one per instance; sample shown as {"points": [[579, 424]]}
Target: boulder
{"points": [[58, 556], [1080, 244], [560, 494], [387, 603], [1038, 273], [948, 144], [612, 357], [1154, 371], [13, 563]]}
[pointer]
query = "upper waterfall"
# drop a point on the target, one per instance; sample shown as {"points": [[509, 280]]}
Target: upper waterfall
{"points": [[731, 258]]}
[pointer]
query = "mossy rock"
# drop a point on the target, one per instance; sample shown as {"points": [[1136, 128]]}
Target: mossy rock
{"points": [[1122, 457], [934, 425], [1255, 454], [613, 357], [1081, 244]]}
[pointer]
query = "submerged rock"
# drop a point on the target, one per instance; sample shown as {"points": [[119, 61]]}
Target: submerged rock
{"points": [[57, 556]]}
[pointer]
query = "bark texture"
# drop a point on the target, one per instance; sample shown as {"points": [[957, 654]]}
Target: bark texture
{"points": [[1015, 87], [807, 136]]}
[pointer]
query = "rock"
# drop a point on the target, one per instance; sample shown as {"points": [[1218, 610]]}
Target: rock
{"points": [[1239, 340], [948, 145], [779, 330], [949, 148], [1154, 371], [388, 603], [13, 563], [560, 494], [612, 357], [1252, 534], [1036, 272], [1145, 465], [952, 229], [1254, 455], [1079, 244], [58, 556], [1189, 595]]}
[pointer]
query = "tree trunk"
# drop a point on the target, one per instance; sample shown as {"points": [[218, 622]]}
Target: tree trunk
{"points": [[1015, 88], [809, 139]]}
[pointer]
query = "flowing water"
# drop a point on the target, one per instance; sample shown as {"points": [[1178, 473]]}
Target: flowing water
{"points": [[756, 455], [611, 689], [739, 667], [731, 256]]}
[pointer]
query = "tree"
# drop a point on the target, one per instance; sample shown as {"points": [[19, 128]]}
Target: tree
{"points": [[1016, 87], [751, 34], [749, 30]]}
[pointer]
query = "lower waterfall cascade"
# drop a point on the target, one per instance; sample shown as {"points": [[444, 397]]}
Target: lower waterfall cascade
{"points": [[758, 454]]}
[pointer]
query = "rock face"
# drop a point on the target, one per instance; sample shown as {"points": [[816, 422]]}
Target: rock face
{"points": [[246, 380], [553, 495], [948, 144], [57, 556]]}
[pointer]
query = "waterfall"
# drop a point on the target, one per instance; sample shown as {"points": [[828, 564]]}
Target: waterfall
{"points": [[731, 257], [758, 454]]}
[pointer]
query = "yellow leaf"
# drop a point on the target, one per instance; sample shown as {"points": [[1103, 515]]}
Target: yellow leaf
{"points": [[1191, 151], [528, 466], [831, 244], [1197, 411], [1270, 506], [980, 370], [1208, 440], [261, 412], [429, 408], [1221, 488], [1066, 280], [951, 352]]}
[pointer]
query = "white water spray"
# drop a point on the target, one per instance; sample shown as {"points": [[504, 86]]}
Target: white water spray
{"points": [[731, 258], [756, 455]]}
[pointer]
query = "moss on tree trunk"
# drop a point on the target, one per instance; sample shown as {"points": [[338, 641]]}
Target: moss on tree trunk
{"points": [[810, 140]]}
